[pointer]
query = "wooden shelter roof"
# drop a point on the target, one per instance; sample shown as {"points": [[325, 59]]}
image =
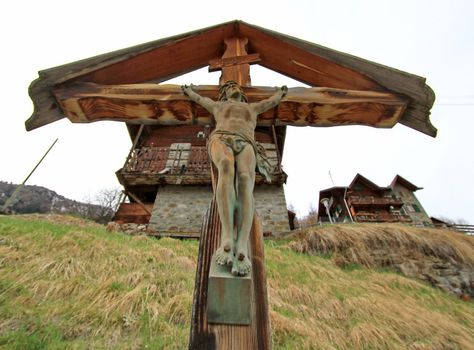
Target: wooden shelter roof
{"points": [[306, 62]]}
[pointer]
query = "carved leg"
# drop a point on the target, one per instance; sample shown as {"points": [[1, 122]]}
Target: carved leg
{"points": [[246, 180], [223, 158]]}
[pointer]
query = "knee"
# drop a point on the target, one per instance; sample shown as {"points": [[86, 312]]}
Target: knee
{"points": [[245, 179]]}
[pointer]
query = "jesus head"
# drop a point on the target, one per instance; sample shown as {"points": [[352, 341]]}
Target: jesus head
{"points": [[231, 90]]}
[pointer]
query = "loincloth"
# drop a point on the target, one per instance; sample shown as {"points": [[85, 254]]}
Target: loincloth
{"points": [[237, 142]]}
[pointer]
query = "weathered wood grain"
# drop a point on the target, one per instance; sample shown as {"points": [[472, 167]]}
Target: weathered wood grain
{"points": [[167, 105], [217, 64], [303, 65], [235, 47]]}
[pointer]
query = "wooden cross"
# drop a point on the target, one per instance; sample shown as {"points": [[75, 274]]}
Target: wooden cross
{"points": [[166, 105], [256, 335], [346, 90]]}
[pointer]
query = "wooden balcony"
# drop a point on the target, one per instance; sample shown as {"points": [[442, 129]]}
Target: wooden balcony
{"points": [[375, 201], [170, 165], [166, 165], [381, 217], [152, 160]]}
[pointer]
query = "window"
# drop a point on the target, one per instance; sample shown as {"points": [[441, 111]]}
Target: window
{"points": [[416, 208], [179, 155]]}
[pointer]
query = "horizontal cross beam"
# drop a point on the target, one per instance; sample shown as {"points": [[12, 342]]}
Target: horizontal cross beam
{"points": [[220, 63], [167, 105]]}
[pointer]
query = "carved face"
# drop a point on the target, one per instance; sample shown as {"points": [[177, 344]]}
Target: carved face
{"points": [[231, 90]]}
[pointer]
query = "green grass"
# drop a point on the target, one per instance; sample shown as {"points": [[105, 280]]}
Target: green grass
{"points": [[69, 284]]}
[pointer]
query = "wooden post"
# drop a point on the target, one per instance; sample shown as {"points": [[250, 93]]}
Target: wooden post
{"points": [[207, 336], [235, 62]]}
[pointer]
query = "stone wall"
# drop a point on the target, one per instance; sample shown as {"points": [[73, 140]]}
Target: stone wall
{"points": [[181, 209], [419, 218], [271, 206]]}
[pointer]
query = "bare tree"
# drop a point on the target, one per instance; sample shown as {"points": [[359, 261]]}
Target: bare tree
{"points": [[104, 204], [310, 219]]}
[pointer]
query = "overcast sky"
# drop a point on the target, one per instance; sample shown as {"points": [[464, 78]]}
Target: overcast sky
{"points": [[433, 39]]}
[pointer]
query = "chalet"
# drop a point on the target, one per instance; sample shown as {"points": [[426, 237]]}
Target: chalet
{"points": [[167, 176], [364, 201]]}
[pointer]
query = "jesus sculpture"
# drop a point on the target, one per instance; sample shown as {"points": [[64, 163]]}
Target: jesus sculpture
{"points": [[235, 153]]}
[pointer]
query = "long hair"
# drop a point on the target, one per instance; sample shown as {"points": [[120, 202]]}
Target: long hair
{"points": [[223, 88]]}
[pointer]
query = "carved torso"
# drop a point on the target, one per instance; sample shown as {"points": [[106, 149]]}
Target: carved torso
{"points": [[236, 116]]}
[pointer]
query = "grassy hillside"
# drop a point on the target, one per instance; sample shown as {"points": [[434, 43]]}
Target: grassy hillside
{"points": [[69, 284]]}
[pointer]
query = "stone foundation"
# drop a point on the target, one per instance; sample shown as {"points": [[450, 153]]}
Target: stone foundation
{"points": [[180, 209]]}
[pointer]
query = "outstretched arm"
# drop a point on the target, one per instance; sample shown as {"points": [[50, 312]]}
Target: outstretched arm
{"points": [[206, 102], [270, 102]]}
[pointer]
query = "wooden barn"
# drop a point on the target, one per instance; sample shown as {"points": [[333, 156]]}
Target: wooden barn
{"points": [[166, 175]]}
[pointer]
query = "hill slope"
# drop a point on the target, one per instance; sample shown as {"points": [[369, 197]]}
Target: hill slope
{"points": [[75, 286], [38, 199]]}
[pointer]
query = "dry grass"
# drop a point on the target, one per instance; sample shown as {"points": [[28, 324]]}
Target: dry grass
{"points": [[361, 243], [94, 288], [79, 287], [315, 305]]}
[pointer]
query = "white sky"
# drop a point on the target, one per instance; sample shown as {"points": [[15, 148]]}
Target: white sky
{"points": [[433, 39]]}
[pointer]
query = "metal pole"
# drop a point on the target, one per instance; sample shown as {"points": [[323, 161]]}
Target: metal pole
{"points": [[19, 187]]}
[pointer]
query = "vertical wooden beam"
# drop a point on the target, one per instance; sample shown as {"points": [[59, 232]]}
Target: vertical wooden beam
{"points": [[275, 140], [235, 62], [206, 336], [240, 73]]}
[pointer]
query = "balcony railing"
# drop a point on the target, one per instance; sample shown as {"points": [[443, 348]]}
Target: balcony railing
{"points": [[374, 201], [165, 160], [381, 217], [178, 164]]}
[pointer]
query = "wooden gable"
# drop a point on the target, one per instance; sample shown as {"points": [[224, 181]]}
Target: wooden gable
{"points": [[346, 89], [405, 183], [360, 182]]}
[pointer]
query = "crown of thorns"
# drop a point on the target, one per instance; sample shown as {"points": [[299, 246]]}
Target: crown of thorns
{"points": [[229, 83]]}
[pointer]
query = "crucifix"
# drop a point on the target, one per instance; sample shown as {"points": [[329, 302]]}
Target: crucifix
{"points": [[244, 305], [230, 306], [235, 153]]}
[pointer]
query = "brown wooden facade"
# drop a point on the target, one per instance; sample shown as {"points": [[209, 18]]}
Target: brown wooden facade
{"points": [[177, 155], [364, 201]]}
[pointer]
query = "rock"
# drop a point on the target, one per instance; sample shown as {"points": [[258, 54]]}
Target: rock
{"points": [[113, 227]]}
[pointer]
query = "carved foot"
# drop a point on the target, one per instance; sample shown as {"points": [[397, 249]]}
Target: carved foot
{"points": [[223, 255], [241, 265]]}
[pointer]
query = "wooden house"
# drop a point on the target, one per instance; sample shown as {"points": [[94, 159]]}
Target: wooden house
{"points": [[364, 201], [166, 175]]}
